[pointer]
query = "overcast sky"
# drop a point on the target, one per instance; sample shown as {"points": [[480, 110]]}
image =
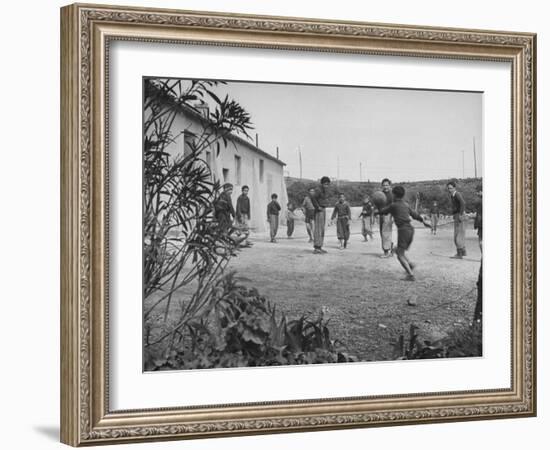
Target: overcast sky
{"points": [[404, 135]]}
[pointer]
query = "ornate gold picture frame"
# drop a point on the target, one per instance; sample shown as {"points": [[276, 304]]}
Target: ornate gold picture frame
{"points": [[87, 31]]}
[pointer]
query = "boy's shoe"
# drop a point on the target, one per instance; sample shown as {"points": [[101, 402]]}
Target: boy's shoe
{"points": [[317, 251], [386, 255], [457, 256], [409, 278]]}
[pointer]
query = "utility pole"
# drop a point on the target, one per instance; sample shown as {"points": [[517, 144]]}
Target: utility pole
{"points": [[300, 156], [463, 164], [475, 158], [360, 171]]}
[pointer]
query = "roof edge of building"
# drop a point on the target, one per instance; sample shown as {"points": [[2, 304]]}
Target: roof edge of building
{"points": [[232, 136]]}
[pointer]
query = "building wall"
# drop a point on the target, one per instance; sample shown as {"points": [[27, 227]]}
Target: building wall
{"points": [[224, 168]]}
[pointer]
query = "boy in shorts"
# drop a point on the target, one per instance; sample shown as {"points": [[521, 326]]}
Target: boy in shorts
{"points": [[402, 213]]}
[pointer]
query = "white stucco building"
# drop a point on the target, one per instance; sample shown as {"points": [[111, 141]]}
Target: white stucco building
{"points": [[240, 162]]}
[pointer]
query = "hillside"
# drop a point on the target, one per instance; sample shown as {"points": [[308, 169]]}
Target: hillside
{"points": [[355, 191]]}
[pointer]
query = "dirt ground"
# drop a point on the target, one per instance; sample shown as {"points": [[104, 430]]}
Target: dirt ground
{"points": [[365, 297]]}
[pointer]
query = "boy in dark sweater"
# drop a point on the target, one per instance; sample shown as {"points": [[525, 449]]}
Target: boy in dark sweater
{"points": [[321, 203], [273, 209], [223, 209], [402, 213], [342, 214], [242, 209], [242, 215]]}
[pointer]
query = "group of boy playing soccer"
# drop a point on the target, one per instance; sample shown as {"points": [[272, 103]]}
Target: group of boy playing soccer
{"points": [[393, 209]]}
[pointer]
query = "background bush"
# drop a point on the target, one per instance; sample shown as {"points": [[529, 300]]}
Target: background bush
{"points": [[428, 191]]}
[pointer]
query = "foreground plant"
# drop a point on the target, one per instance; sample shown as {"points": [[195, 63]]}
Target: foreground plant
{"points": [[465, 341], [242, 329]]}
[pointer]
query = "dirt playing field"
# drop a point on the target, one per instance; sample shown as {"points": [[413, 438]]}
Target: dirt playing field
{"points": [[365, 297]]}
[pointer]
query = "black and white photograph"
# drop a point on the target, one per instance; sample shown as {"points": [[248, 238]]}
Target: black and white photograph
{"points": [[292, 224]]}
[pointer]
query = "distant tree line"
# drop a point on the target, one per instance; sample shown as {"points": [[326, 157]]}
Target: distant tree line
{"points": [[428, 191]]}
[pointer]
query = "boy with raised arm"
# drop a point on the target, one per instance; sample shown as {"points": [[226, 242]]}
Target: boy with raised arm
{"points": [[402, 213]]}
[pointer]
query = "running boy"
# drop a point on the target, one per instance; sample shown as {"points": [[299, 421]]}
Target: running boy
{"points": [[402, 213], [273, 209], [342, 212]]}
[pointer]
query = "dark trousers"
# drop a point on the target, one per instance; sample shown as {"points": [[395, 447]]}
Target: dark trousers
{"points": [[319, 229], [273, 225], [342, 229]]}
